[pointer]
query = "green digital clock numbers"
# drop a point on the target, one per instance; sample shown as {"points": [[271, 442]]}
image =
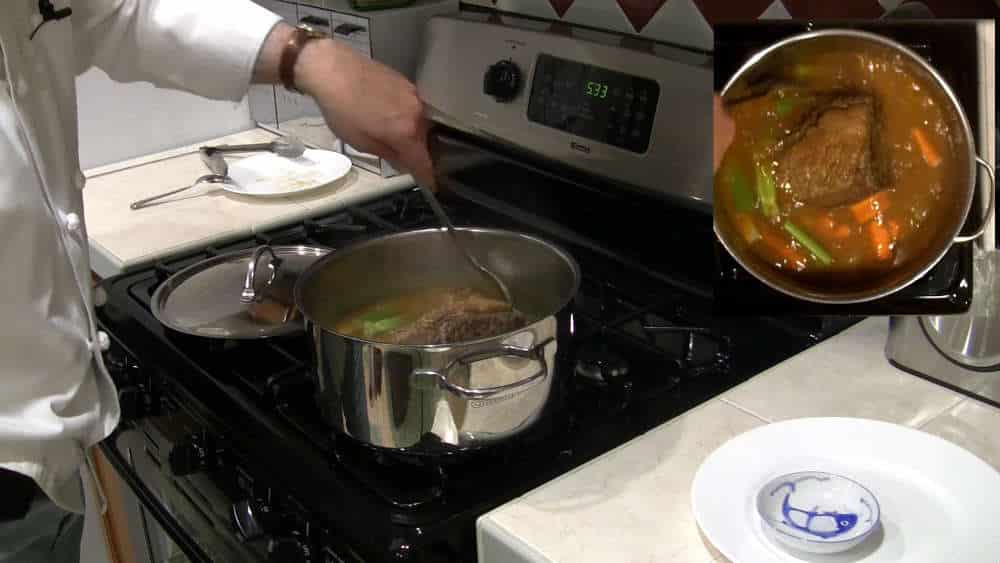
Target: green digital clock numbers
{"points": [[597, 90]]}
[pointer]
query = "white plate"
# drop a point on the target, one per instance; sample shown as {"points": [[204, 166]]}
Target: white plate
{"points": [[270, 175], [939, 502]]}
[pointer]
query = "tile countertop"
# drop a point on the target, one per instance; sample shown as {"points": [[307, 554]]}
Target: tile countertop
{"points": [[633, 503], [122, 239]]}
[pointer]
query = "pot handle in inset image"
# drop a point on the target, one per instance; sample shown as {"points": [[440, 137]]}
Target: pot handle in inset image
{"points": [[990, 208], [537, 354], [249, 294]]}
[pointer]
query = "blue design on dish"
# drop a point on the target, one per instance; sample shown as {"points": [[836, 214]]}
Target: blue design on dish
{"points": [[817, 512], [842, 522]]}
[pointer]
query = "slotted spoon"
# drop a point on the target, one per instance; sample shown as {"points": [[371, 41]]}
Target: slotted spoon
{"points": [[442, 217]]}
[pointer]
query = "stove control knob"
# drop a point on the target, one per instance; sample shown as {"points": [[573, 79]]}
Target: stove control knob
{"points": [[133, 401], [288, 550], [198, 452], [502, 81], [186, 458], [251, 518]]}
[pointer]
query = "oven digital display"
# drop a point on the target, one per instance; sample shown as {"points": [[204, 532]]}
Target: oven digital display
{"points": [[596, 103]]}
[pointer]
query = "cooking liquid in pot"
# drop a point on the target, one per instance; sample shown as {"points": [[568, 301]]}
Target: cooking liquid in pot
{"points": [[842, 169], [435, 316]]}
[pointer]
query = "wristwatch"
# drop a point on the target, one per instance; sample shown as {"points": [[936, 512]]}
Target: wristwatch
{"points": [[302, 35]]}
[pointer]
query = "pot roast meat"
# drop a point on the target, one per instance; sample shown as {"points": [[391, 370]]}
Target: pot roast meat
{"points": [[831, 159], [464, 316], [463, 327]]}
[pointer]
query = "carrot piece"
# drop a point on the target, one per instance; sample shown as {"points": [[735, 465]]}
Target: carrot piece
{"points": [[827, 227], [779, 245], [931, 156], [868, 208], [744, 223], [881, 239], [894, 229]]}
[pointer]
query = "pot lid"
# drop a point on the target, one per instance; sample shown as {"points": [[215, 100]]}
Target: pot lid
{"points": [[240, 295]]}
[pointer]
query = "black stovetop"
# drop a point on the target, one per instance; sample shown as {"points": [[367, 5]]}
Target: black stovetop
{"points": [[654, 315], [949, 46]]}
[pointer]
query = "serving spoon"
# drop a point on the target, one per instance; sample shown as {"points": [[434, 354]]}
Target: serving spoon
{"points": [[442, 217], [219, 175]]}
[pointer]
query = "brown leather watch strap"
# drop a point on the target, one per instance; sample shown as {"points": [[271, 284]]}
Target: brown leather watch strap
{"points": [[290, 55]]}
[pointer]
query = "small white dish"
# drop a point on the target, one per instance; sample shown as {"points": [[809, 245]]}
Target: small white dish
{"points": [[270, 175], [817, 512], [937, 501]]}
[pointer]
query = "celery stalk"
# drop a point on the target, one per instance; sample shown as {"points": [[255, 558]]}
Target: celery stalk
{"points": [[805, 240], [767, 194]]}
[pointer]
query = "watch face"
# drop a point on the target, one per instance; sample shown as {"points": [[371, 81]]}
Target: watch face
{"points": [[311, 31]]}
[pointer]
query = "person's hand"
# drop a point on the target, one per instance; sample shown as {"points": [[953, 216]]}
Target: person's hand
{"points": [[722, 131], [368, 105]]}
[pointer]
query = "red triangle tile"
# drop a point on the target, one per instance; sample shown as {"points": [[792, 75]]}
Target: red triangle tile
{"points": [[825, 9], [639, 12], [716, 11], [561, 6]]}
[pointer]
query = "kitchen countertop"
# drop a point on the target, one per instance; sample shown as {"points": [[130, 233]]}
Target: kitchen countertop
{"points": [[633, 503], [122, 239]]}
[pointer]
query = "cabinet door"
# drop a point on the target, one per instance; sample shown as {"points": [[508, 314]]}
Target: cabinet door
{"points": [[352, 30]]}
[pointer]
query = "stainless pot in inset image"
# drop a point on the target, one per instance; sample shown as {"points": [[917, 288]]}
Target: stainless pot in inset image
{"points": [[761, 69], [420, 396]]}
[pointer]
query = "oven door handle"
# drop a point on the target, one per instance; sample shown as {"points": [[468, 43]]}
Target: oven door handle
{"points": [[191, 549]]}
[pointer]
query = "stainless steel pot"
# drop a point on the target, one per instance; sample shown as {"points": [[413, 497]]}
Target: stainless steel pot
{"points": [[418, 397], [755, 73], [972, 340]]}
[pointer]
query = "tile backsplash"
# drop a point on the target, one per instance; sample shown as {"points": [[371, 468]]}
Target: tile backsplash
{"points": [[688, 22]]}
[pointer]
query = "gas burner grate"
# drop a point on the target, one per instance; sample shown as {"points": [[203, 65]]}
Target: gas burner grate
{"points": [[700, 350], [639, 349], [687, 339]]}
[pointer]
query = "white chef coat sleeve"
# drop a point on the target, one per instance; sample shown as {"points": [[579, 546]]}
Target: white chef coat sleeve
{"points": [[206, 47]]}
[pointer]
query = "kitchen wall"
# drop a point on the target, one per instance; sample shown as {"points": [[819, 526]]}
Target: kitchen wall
{"points": [[121, 121], [688, 22]]}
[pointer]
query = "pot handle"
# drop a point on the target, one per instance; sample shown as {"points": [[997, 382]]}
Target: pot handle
{"points": [[537, 354], [990, 208], [249, 294]]}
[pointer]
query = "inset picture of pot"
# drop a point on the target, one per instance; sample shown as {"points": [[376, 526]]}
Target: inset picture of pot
{"points": [[855, 182]]}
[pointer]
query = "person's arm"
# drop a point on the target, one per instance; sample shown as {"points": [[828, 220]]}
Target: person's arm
{"points": [[369, 105], [215, 48]]}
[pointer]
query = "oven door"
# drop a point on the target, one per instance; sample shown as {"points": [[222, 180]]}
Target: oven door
{"points": [[172, 518]]}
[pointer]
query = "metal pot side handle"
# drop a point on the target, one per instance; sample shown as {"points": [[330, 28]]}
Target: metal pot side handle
{"points": [[537, 354], [991, 194], [249, 294]]}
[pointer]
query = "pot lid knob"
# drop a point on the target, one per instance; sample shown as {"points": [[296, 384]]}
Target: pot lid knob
{"points": [[250, 294]]}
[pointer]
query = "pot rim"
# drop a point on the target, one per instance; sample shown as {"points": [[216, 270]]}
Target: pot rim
{"points": [[316, 266], [942, 84]]}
